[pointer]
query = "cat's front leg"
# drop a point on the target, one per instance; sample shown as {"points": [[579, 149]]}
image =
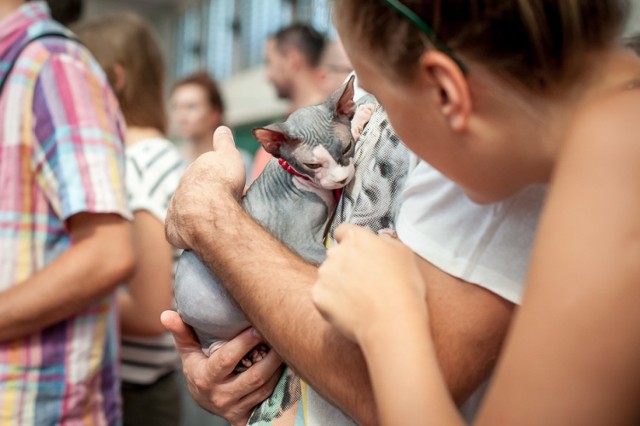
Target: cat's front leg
{"points": [[360, 120], [388, 232]]}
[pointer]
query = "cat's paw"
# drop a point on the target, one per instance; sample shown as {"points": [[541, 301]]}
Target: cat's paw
{"points": [[257, 354], [360, 120], [388, 232]]}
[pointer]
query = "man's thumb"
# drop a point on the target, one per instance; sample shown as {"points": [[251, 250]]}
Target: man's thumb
{"points": [[223, 139]]}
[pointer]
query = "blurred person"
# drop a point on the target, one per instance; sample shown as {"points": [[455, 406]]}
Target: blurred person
{"points": [[292, 61], [335, 66], [66, 239], [197, 109], [126, 48]]}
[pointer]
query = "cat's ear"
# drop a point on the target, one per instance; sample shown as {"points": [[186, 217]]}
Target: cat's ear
{"points": [[342, 99], [271, 138]]}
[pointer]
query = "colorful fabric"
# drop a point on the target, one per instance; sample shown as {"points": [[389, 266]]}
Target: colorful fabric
{"points": [[61, 153]]}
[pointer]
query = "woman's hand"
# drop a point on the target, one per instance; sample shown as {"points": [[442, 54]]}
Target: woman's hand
{"points": [[367, 281]]}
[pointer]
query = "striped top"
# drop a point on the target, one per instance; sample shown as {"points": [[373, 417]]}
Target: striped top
{"points": [[61, 154], [154, 168]]}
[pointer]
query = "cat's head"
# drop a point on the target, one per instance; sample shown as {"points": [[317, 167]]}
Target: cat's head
{"points": [[316, 140]]}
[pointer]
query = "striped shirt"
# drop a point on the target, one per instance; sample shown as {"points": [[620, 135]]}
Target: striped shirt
{"points": [[61, 154], [154, 168]]}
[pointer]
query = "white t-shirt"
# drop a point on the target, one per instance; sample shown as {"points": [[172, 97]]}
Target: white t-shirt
{"points": [[487, 245]]}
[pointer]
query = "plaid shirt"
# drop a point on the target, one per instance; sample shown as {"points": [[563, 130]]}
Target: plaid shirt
{"points": [[61, 153]]}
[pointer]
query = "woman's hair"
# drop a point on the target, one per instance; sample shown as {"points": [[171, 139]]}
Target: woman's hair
{"points": [[208, 84], [128, 41], [537, 44]]}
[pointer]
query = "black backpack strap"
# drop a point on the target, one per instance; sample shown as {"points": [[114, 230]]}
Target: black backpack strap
{"points": [[17, 54]]}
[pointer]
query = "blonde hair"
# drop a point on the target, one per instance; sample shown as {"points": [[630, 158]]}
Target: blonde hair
{"points": [[128, 41], [537, 44]]}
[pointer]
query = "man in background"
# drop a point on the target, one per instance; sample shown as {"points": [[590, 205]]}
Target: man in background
{"points": [[335, 66], [292, 59], [66, 241]]}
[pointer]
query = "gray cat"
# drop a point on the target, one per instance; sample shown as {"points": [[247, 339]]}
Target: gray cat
{"points": [[294, 199]]}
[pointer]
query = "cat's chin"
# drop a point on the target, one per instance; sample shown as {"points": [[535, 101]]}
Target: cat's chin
{"points": [[334, 185]]}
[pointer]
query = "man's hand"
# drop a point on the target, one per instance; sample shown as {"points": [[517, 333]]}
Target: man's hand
{"points": [[214, 179], [212, 382]]}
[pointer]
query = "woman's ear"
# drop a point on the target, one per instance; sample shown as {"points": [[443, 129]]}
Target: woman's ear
{"points": [[455, 97], [120, 78]]}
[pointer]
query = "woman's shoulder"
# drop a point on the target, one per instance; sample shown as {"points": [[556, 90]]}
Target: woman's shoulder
{"points": [[608, 129]]}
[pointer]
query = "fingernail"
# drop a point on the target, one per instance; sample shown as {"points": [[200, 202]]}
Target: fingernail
{"points": [[256, 333], [222, 130]]}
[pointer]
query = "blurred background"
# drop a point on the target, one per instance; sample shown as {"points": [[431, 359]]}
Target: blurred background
{"points": [[225, 38]]}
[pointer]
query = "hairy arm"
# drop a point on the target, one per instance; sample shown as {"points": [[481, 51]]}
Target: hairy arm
{"points": [[150, 291], [468, 322], [100, 257]]}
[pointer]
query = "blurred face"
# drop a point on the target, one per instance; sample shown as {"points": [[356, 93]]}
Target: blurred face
{"points": [[333, 75], [335, 67], [192, 114], [277, 69]]}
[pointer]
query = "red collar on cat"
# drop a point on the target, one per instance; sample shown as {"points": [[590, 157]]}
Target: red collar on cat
{"points": [[291, 171]]}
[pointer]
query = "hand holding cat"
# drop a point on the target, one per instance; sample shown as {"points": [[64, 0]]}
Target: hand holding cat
{"points": [[215, 179], [363, 278], [212, 382]]}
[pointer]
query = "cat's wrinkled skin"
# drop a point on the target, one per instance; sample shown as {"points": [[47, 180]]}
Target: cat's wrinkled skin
{"points": [[317, 142]]}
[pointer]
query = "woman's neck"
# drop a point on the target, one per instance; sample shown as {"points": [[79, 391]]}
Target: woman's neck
{"points": [[539, 125], [611, 72], [136, 134]]}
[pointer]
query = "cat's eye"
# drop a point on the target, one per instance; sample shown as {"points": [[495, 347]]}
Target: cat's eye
{"points": [[312, 166], [348, 148]]}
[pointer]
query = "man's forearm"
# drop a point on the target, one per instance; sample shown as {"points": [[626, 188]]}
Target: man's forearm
{"points": [[69, 284], [273, 287]]}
